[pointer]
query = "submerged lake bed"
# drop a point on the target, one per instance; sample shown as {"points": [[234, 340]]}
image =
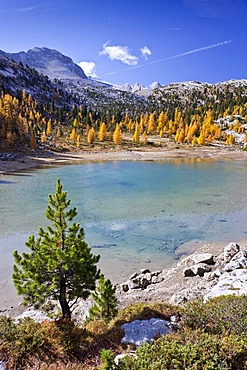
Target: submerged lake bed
{"points": [[135, 214]]}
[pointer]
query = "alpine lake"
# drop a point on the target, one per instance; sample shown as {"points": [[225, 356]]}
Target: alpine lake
{"points": [[134, 214]]}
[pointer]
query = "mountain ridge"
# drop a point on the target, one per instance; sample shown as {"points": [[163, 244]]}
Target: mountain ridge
{"points": [[49, 62], [101, 96], [191, 112], [57, 66]]}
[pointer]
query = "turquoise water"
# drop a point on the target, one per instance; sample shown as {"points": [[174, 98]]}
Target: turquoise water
{"points": [[135, 214]]}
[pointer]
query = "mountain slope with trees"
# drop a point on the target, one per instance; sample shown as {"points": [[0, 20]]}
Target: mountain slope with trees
{"points": [[69, 114]]}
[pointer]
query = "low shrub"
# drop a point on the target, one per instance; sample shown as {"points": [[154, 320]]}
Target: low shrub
{"points": [[146, 311], [28, 342], [190, 350], [210, 336], [218, 315]]}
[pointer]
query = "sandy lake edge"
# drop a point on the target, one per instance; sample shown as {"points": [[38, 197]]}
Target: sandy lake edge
{"points": [[33, 160]]}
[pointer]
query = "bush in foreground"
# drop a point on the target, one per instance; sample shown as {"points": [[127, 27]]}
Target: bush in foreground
{"points": [[218, 315], [194, 350], [211, 336], [206, 339], [63, 345], [28, 343]]}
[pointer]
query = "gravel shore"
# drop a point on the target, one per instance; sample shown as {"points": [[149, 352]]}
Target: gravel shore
{"points": [[19, 162]]}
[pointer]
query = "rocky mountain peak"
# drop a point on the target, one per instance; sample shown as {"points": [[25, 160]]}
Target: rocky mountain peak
{"points": [[50, 62], [155, 85]]}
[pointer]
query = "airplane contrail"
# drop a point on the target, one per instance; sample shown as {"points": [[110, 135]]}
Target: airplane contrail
{"points": [[183, 54]]}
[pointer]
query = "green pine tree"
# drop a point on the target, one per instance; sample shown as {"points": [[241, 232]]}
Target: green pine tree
{"points": [[105, 301], [60, 265]]}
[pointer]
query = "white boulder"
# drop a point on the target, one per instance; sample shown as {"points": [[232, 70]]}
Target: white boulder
{"points": [[207, 258], [230, 250], [199, 269], [238, 261], [229, 283]]}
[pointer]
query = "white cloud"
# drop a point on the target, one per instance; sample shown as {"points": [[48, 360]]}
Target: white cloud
{"points": [[89, 68], [117, 52], [145, 52]]}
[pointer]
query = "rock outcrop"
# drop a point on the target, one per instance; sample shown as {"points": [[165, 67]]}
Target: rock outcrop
{"points": [[233, 282], [230, 250], [204, 275], [200, 275], [50, 63], [197, 269], [142, 280], [141, 331]]}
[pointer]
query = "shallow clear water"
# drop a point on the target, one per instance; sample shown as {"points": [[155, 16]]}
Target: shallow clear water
{"points": [[135, 214]]}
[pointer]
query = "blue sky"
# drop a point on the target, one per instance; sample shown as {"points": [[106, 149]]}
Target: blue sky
{"points": [[133, 41]]}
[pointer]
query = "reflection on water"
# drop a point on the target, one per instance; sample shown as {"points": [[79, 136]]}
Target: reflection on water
{"points": [[134, 213]]}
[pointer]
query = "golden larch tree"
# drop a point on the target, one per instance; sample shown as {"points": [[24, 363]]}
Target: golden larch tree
{"points": [[151, 122], [201, 139], [136, 134], [49, 128], [180, 136], [78, 141], [91, 136], [161, 121], [102, 131], [75, 123], [117, 136], [230, 139], [73, 134], [194, 141]]}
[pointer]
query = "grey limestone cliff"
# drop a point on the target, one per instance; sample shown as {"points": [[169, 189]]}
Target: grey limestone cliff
{"points": [[50, 63]]}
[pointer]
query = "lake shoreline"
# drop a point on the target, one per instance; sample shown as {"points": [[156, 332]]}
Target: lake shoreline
{"points": [[174, 284], [22, 161], [27, 162], [177, 287]]}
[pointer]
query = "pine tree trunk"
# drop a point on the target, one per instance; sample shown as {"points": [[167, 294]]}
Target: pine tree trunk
{"points": [[63, 301]]}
